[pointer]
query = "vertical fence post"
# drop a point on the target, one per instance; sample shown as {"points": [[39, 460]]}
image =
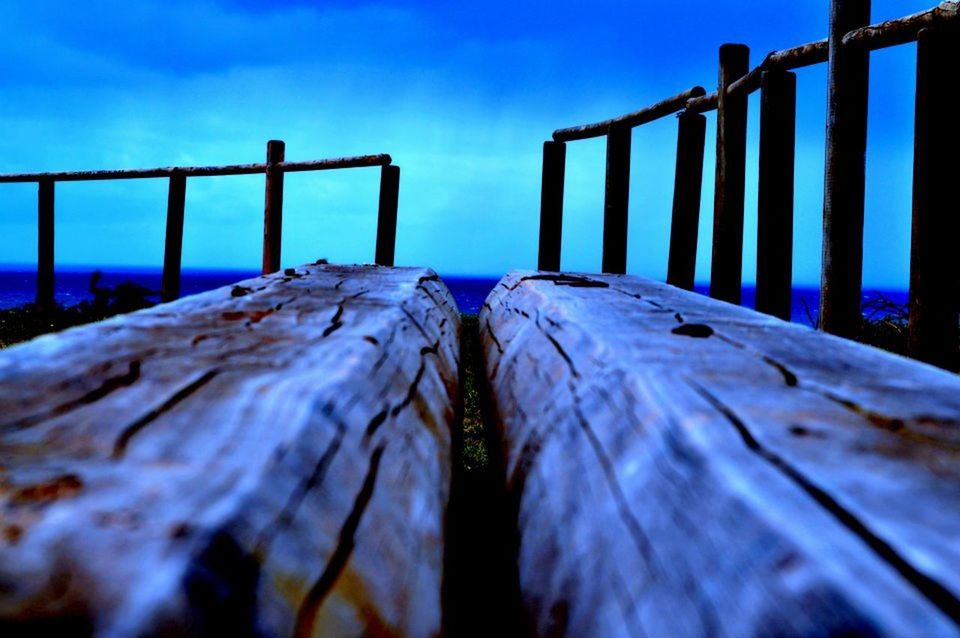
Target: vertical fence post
{"points": [[45, 205], [273, 208], [387, 215], [934, 275], [173, 247], [726, 269], [551, 205], [847, 85], [616, 200], [688, 182], [778, 113]]}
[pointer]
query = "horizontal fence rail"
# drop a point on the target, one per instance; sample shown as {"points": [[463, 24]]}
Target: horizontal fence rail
{"points": [[199, 171], [630, 120], [934, 283], [274, 169]]}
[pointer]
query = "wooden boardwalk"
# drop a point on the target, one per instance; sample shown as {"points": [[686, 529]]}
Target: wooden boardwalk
{"points": [[271, 458], [686, 467]]}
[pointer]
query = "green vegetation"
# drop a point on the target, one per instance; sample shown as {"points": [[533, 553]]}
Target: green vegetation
{"points": [[29, 321], [885, 325], [476, 456]]}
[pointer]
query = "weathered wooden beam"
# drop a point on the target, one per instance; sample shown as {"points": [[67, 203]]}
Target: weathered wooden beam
{"points": [[362, 161], [551, 205], [173, 239], [273, 208], [688, 182], [387, 215], [848, 79], [727, 264], [934, 275], [616, 201], [45, 245], [778, 132], [704, 104], [903, 30], [683, 467], [795, 58], [645, 115], [267, 459]]}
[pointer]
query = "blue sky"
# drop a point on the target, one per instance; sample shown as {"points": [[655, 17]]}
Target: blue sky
{"points": [[461, 94]]}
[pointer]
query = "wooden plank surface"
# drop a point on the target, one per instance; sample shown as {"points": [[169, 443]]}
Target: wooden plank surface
{"points": [[685, 467], [271, 458]]}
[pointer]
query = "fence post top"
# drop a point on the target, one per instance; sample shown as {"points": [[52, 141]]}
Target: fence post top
{"points": [[733, 47]]}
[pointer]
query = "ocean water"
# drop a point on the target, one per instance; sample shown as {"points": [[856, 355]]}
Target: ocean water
{"points": [[72, 284], [18, 287]]}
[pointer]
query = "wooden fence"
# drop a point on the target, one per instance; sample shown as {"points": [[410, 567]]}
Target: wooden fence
{"points": [[934, 275], [274, 168]]}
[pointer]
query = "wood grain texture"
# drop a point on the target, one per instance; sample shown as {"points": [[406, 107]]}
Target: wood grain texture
{"points": [[685, 467], [267, 459]]}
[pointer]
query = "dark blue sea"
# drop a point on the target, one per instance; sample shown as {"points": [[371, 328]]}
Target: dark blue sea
{"points": [[17, 287]]}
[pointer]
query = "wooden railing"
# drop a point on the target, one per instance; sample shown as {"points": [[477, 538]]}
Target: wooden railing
{"points": [[274, 169], [934, 274]]}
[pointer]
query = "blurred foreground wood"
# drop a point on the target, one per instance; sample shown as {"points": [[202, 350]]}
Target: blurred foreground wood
{"points": [[271, 458], [685, 467]]}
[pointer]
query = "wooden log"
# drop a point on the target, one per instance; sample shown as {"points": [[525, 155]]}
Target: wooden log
{"points": [[848, 78], [778, 115], [703, 104], [268, 459], [551, 205], [362, 161], [903, 30], [273, 208], [785, 60], [45, 246], [616, 200], [683, 467], [688, 182], [387, 215], [726, 269], [645, 115], [173, 241], [934, 278]]}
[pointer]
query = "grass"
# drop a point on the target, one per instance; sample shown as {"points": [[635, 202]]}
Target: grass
{"points": [[476, 455]]}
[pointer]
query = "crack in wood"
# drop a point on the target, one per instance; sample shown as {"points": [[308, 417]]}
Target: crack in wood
{"points": [[694, 330], [292, 506], [558, 347], [639, 537], [573, 281], [929, 588], [335, 322], [896, 425], [123, 441], [375, 424], [416, 323], [109, 385], [313, 601]]}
